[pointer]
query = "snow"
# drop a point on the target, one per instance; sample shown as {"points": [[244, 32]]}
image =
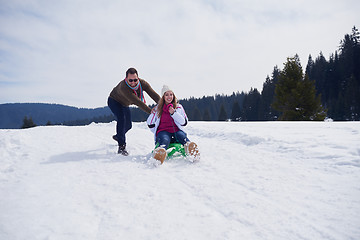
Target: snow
{"points": [[259, 180]]}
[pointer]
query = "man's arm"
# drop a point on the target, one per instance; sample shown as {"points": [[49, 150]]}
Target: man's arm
{"points": [[148, 89]]}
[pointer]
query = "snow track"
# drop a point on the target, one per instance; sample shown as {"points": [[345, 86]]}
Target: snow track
{"points": [[265, 180]]}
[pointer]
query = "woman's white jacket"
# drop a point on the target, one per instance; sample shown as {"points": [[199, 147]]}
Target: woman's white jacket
{"points": [[179, 117]]}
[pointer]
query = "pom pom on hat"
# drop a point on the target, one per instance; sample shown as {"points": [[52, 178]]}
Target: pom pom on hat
{"points": [[164, 89]]}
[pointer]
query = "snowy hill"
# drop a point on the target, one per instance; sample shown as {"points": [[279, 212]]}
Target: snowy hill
{"points": [[270, 180]]}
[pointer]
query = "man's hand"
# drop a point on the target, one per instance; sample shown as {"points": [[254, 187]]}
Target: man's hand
{"points": [[153, 110]]}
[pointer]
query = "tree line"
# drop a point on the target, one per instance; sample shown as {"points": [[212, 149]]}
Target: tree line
{"points": [[327, 88]]}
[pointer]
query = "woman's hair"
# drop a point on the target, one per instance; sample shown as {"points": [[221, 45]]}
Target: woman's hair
{"points": [[162, 102]]}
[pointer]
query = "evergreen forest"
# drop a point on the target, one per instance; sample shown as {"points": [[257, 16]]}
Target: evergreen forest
{"points": [[336, 94], [325, 88]]}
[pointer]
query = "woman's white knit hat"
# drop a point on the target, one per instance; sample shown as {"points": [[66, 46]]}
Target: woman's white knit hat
{"points": [[164, 89]]}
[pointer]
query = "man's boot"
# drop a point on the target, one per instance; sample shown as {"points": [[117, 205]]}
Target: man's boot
{"points": [[115, 137], [122, 150]]}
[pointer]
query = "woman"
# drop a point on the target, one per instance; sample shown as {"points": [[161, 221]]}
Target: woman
{"points": [[167, 121]]}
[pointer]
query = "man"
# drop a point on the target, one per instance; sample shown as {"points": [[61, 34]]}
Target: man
{"points": [[128, 91]]}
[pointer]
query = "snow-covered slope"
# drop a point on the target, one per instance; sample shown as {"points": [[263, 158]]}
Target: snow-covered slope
{"points": [[271, 180]]}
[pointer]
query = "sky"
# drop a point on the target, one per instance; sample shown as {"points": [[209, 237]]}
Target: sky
{"points": [[74, 52]]}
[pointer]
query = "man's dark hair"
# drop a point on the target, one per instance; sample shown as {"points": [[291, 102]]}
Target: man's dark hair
{"points": [[131, 71]]}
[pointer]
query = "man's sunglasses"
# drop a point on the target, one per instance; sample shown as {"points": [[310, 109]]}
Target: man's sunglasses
{"points": [[133, 80]]}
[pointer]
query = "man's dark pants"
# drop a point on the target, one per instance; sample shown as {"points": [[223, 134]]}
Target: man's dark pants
{"points": [[123, 118]]}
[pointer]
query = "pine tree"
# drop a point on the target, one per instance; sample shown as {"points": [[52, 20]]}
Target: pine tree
{"points": [[352, 100], [196, 115], [28, 123], [222, 114], [250, 110], [295, 96], [206, 115], [266, 112], [355, 35], [309, 66], [310, 104], [236, 112], [349, 62]]}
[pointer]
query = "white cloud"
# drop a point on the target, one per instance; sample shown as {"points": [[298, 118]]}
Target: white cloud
{"points": [[75, 52]]}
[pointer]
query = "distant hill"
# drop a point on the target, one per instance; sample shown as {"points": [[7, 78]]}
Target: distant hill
{"points": [[12, 114]]}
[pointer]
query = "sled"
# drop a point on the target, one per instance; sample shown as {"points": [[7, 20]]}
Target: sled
{"points": [[174, 150]]}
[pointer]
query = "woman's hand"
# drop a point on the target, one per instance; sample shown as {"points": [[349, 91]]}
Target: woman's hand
{"points": [[171, 110]]}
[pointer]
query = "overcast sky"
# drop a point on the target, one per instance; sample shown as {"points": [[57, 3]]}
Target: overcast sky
{"points": [[74, 52]]}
